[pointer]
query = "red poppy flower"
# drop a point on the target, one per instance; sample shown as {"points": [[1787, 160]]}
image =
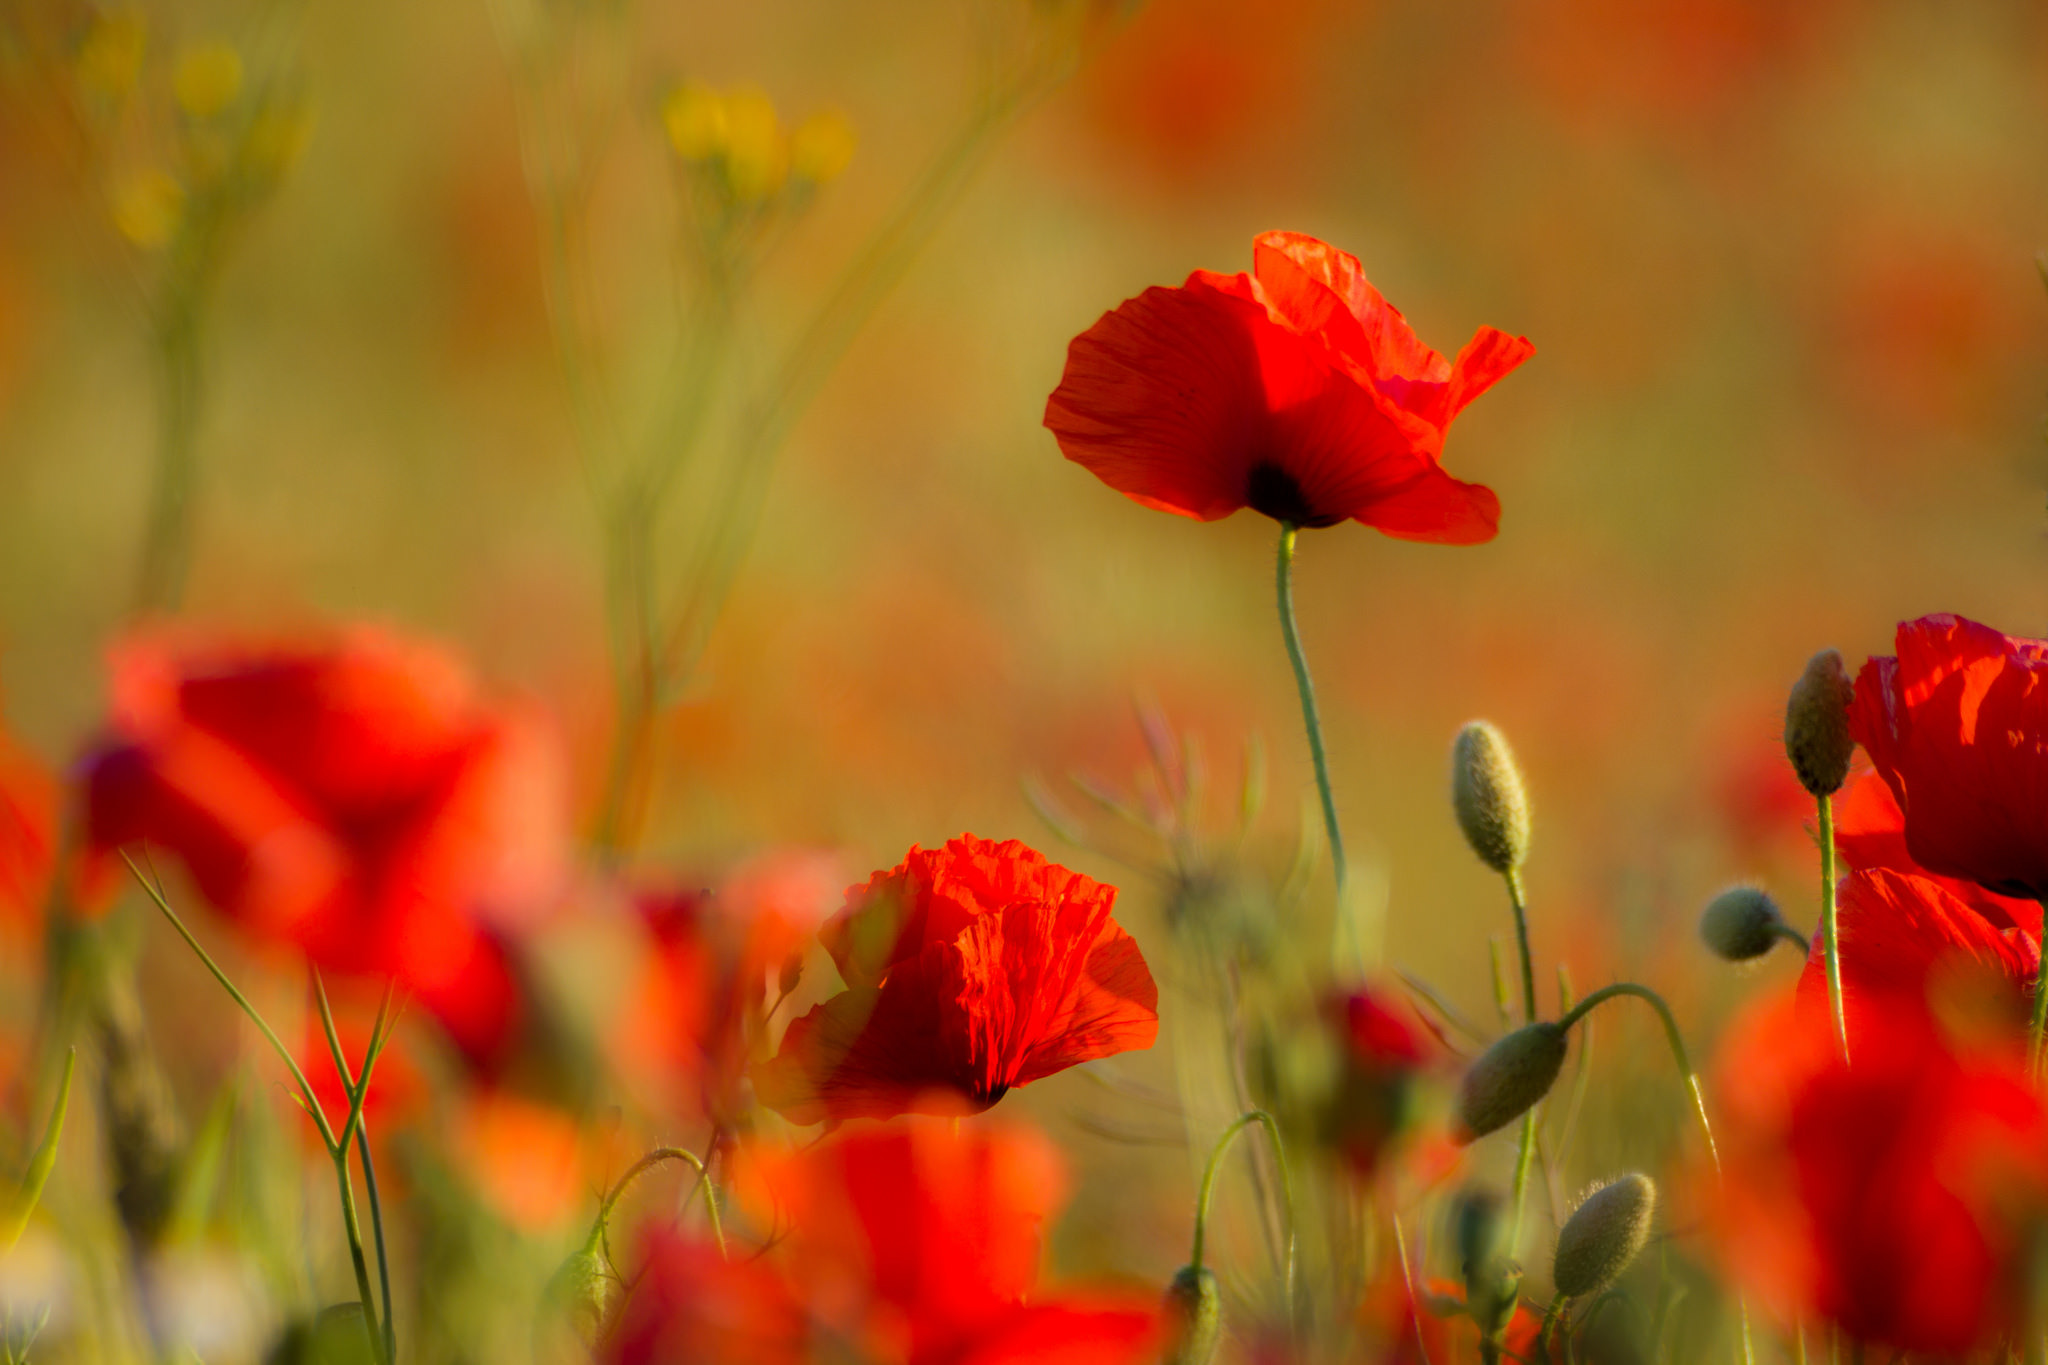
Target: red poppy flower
{"points": [[1296, 391], [1375, 1099], [28, 806], [1957, 722], [352, 798], [1892, 1196], [1896, 932], [697, 1012], [971, 969], [692, 1305], [923, 1245], [1870, 834]]}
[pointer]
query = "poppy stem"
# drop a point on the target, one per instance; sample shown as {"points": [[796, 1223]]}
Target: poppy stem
{"points": [[1830, 949], [1311, 721], [649, 1162], [1238, 1125], [1671, 1035]]}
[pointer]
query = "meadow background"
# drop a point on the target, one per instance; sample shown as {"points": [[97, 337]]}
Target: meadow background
{"points": [[1778, 262]]}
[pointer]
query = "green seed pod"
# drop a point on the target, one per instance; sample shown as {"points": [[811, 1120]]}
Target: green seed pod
{"points": [[581, 1292], [1817, 724], [1741, 923], [1607, 1231], [1510, 1076], [1194, 1316], [1487, 793]]}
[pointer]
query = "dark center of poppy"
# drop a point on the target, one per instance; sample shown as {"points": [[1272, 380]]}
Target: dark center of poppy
{"points": [[1272, 490]]}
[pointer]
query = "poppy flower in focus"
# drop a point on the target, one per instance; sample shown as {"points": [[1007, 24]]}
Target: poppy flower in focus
{"points": [[1957, 724], [1893, 1197], [1295, 390], [971, 969], [1870, 834], [691, 1304], [1897, 933], [351, 798], [923, 1244]]}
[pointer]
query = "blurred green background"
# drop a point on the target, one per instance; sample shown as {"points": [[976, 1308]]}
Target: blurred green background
{"points": [[1778, 262]]}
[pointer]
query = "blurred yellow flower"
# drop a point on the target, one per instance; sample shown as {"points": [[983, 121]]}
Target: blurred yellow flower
{"points": [[111, 57], [821, 146], [756, 158], [694, 116], [146, 205], [207, 79], [277, 136]]}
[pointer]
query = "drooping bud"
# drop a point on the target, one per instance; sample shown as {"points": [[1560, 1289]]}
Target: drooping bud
{"points": [[581, 1291], [1607, 1231], [1741, 923], [1817, 724], [1508, 1078], [1487, 793], [1194, 1317]]}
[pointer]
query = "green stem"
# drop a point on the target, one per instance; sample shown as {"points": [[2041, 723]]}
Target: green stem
{"points": [[1305, 685], [377, 1233], [310, 1101], [167, 535], [1793, 937], [1524, 1155], [2039, 1028], [353, 1227], [648, 1162], [1830, 946], [1671, 1034], [1202, 1197], [1513, 877]]}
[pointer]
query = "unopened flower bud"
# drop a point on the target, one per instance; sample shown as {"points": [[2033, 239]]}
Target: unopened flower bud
{"points": [[582, 1292], [1741, 923], [1607, 1231], [1817, 724], [1487, 793], [1194, 1317], [1509, 1077], [821, 146]]}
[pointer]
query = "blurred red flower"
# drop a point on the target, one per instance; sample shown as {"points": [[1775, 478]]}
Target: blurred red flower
{"points": [[1896, 933], [1436, 1331], [700, 1006], [971, 969], [923, 1246], [1870, 833], [351, 797], [1384, 1053], [28, 819], [1957, 723], [1893, 1197], [1296, 391], [692, 1305]]}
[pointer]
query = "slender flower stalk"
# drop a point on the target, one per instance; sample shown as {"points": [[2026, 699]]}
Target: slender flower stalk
{"points": [[1311, 720], [1831, 947], [1238, 1125], [1671, 1034], [648, 1163], [381, 1339]]}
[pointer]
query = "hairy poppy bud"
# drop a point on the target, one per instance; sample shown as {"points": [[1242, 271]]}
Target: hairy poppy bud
{"points": [[1741, 923], [1817, 724], [1510, 1076], [581, 1292], [1487, 793], [1607, 1231], [1194, 1315]]}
